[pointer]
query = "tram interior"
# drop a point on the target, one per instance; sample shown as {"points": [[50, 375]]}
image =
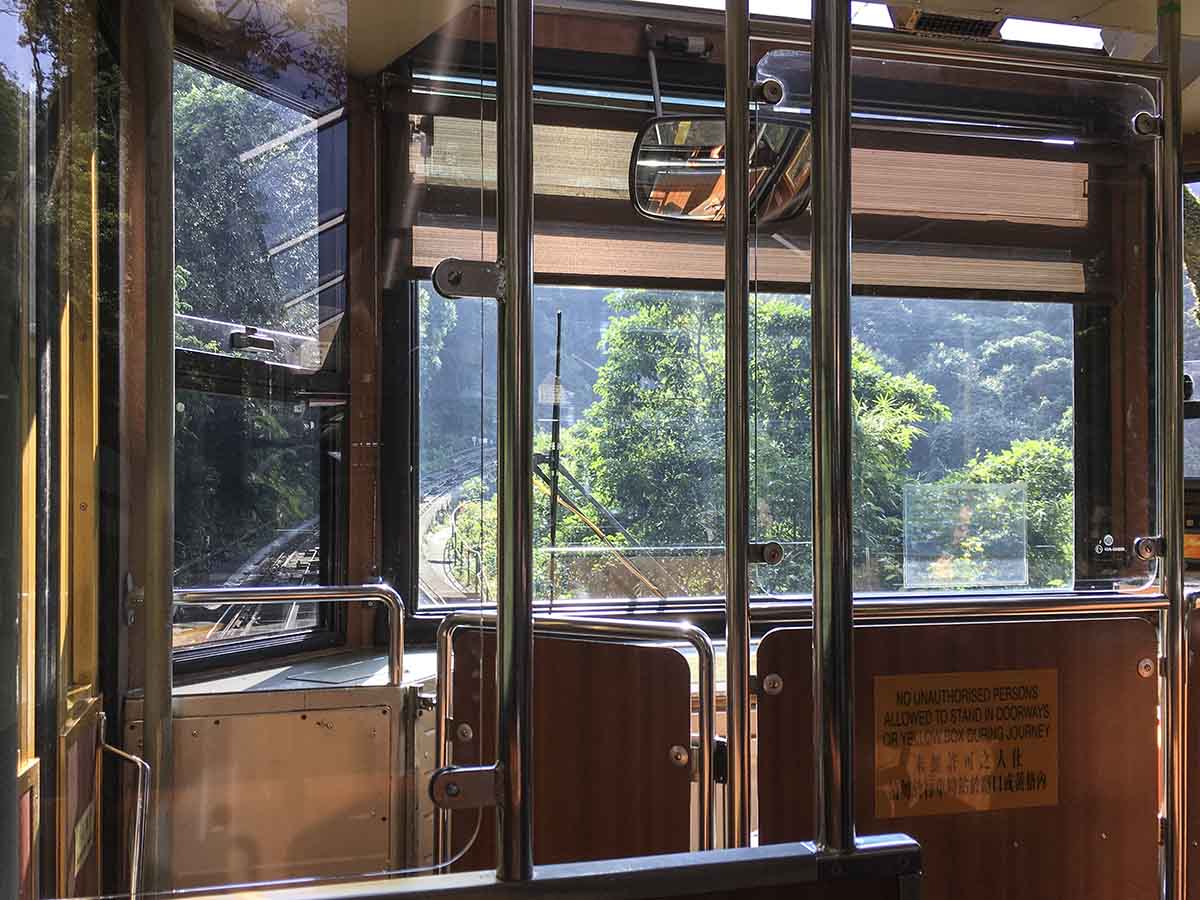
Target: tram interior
{"points": [[255, 537]]}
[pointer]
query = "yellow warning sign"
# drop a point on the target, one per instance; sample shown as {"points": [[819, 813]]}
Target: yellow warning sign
{"points": [[965, 742]]}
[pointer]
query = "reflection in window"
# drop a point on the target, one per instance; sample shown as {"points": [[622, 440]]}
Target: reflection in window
{"points": [[260, 191], [247, 508], [952, 399], [1191, 321]]}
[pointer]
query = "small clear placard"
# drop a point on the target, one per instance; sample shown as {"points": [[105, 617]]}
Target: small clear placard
{"points": [[965, 535]]}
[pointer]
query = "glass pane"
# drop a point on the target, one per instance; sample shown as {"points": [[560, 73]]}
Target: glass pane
{"points": [[247, 492], [988, 375], [1191, 324], [628, 502], [259, 239]]}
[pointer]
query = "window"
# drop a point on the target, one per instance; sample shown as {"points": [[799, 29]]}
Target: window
{"points": [[963, 461], [999, 442], [1191, 322], [259, 297]]}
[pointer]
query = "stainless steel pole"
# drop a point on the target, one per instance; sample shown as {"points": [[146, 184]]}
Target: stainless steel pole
{"points": [[514, 632], [1170, 476], [833, 595], [737, 421], [156, 39]]}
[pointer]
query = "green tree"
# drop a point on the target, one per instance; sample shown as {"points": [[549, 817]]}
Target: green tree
{"points": [[1047, 471], [651, 447]]}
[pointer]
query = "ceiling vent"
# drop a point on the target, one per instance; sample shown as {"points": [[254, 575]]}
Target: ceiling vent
{"points": [[935, 24]]}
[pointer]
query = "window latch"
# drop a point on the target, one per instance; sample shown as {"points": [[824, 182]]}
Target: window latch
{"points": [[250, 339]]}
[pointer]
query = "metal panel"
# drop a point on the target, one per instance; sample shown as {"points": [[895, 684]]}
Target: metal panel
{"points": [[277, 795], [423, 741], [1099, 841]]}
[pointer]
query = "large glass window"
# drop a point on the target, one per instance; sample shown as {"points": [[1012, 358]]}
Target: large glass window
{"points": [[964, 460], [259, 295]]}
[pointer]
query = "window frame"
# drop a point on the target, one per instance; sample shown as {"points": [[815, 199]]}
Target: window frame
{"points": [[230, 376], [551, 66]]}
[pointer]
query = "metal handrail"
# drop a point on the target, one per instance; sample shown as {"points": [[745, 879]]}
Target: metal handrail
{"points": [[618, 631], [971, 607], [138, 842], [383, 593]]}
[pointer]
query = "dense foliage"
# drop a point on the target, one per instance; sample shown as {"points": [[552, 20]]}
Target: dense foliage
{"points": [[947, 393], [246, 466]]}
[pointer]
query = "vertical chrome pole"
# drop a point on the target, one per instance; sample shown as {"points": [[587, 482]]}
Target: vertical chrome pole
{"points": [[514, 629], [737, 421], [155, 36], [833, 594], [1170, 475]]}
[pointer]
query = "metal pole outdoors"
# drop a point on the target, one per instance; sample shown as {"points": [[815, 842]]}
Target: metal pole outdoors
{"points": [[1170, 480], [737, 423], [833, 644], [514, 629]]}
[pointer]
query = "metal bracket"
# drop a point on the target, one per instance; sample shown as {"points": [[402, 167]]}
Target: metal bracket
{"points": [[1148, 548], [1147, 124], [769, 553], [458, 278], [132, 599], [464, 787], [769, 91], [720, 761]]}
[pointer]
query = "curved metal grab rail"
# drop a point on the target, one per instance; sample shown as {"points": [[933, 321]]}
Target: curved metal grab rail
{"points": [[616, 631], [384, 593], [137, 844]]}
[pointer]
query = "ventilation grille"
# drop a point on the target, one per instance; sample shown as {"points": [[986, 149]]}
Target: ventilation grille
{"points": [[960, 27]]}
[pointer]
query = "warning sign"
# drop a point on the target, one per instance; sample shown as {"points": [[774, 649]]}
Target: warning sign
{"points": [[965, 742]]}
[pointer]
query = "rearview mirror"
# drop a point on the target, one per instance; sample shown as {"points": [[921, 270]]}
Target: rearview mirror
{"points": [[677, 170]]}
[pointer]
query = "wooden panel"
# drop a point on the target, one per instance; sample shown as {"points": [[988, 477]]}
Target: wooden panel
{"points": [[583, 160], [79, 806], [362, 299], [606, 718], [1100, 841], [1193, 759], [28, 805], [618, 252]]}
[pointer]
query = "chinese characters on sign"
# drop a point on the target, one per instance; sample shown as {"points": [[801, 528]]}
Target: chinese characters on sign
{"points": [[965, 741]]}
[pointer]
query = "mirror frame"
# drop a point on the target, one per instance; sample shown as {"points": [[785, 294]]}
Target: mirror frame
{"points": [[761, 191]]}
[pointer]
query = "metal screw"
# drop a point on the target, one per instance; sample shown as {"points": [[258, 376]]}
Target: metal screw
{"points": [[454, 277], [195, 733], [772, 684], [464, 732], [679, 755], [452, 789], [1146, 667]]}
